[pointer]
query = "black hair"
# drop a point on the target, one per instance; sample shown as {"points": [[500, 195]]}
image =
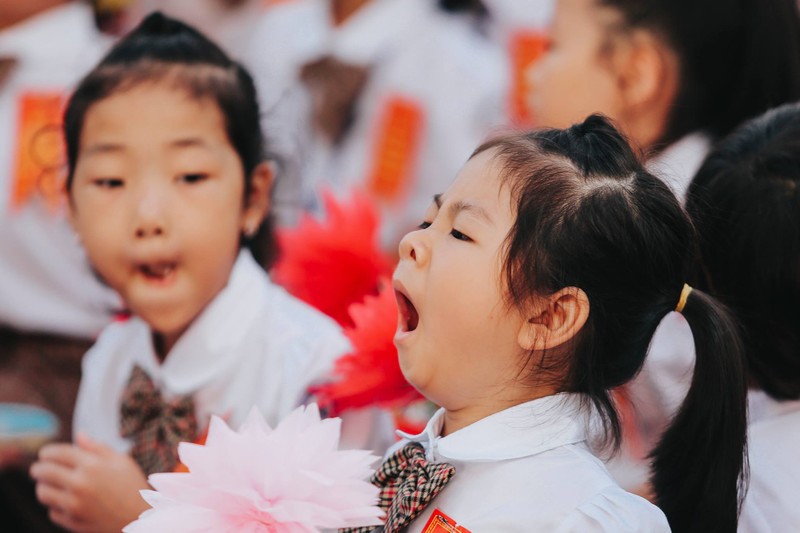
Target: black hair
{"points": [[737, 58], [161, 48], [588, 215], [746, 207], [460, 6]]}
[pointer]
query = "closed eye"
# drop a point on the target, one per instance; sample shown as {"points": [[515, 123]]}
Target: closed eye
{"points": [[108, 183], [193, 178], [460, 236], [424, 225]]}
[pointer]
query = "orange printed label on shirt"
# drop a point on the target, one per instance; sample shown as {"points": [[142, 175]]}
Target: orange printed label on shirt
{"points": [[39, 167], [526, 47], [441, 523], [398, 137]]}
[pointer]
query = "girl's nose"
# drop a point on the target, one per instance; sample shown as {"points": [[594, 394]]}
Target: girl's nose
{"points": [[414, 247], [150, 216]]}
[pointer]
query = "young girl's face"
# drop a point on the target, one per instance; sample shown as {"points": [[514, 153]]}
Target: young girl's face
{"points": [[158, 201], [456, 337], [575, 78]]}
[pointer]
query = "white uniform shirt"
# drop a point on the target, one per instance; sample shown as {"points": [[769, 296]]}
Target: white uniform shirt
{"points": [[415, 52], [46, 284], [253, 345], [529, 469], [771, 505]]}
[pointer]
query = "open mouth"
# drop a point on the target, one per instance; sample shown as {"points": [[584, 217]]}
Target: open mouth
{"points": [[409, 318], [157, 272]]}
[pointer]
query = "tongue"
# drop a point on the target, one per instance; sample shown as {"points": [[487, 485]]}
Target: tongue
{"points": [[412, 318], [157, 271]]}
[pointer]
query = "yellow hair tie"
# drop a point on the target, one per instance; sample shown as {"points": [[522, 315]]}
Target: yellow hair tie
{"points": [[684, 296]]}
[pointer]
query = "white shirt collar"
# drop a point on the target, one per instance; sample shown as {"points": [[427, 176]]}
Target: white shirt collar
{"points": [[523, 430], [680, 161], [204, 351]]}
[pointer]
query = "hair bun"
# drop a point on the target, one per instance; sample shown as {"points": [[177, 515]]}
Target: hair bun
{"points": [[594, 124]]}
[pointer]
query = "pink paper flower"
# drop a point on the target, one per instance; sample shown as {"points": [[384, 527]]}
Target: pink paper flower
{"points": [[286, 480]]}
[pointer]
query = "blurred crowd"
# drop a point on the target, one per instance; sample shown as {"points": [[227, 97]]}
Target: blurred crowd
{"points": [[385, 97]]}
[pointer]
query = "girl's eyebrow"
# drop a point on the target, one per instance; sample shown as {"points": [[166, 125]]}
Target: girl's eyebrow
{"points": [[103, 148], [189, 142], [456, 207]]}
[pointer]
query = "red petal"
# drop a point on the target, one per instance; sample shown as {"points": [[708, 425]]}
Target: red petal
{"points": [[333, 263]]}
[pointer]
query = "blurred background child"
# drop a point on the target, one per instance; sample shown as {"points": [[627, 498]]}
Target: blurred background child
{"points": [[374, 108], [167, 183], [744, 202]]}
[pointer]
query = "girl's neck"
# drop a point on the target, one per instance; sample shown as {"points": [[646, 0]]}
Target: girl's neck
{"points": [[456, 419], [164, 342]]}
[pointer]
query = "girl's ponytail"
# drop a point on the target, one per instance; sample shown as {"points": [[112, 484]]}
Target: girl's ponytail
{"points": [[701, 459]]}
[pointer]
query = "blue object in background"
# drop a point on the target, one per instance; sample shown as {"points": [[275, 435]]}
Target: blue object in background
{"points": [[23, 422]]}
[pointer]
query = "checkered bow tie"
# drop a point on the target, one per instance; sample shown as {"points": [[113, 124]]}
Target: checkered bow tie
{"points": [[155, 426], [408, 483]]}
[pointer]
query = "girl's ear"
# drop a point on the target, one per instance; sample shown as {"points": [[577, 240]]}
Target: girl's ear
{"points": [[257, 200], [648, 78], [554, 320]]}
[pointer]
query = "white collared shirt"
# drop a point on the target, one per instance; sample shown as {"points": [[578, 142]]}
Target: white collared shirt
{"points": [[46, 284], [677, 164], [774, 440], [454, 77], [253, 345], [529, 469]]}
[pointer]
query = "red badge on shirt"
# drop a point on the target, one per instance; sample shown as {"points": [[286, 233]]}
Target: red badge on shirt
{"points": [[441, 523], [40, 149], [399, 137], [525, 48]]}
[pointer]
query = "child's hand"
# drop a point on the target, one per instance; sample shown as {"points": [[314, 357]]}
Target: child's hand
{"points": [[89, 487]]}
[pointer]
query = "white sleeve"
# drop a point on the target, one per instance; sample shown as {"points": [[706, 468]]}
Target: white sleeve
{"points": [[615, 511], [96, 409], [81, 418], [310, 344]]}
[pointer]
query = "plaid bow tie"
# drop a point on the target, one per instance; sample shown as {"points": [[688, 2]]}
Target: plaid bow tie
{"points": [[408, 483], [155, 426]]}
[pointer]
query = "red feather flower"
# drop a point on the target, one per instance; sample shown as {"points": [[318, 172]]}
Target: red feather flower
{"points": [[333, 263], [370, 375]]}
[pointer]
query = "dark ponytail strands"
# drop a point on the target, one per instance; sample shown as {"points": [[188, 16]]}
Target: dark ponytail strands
{"points": [[699, 470]]}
